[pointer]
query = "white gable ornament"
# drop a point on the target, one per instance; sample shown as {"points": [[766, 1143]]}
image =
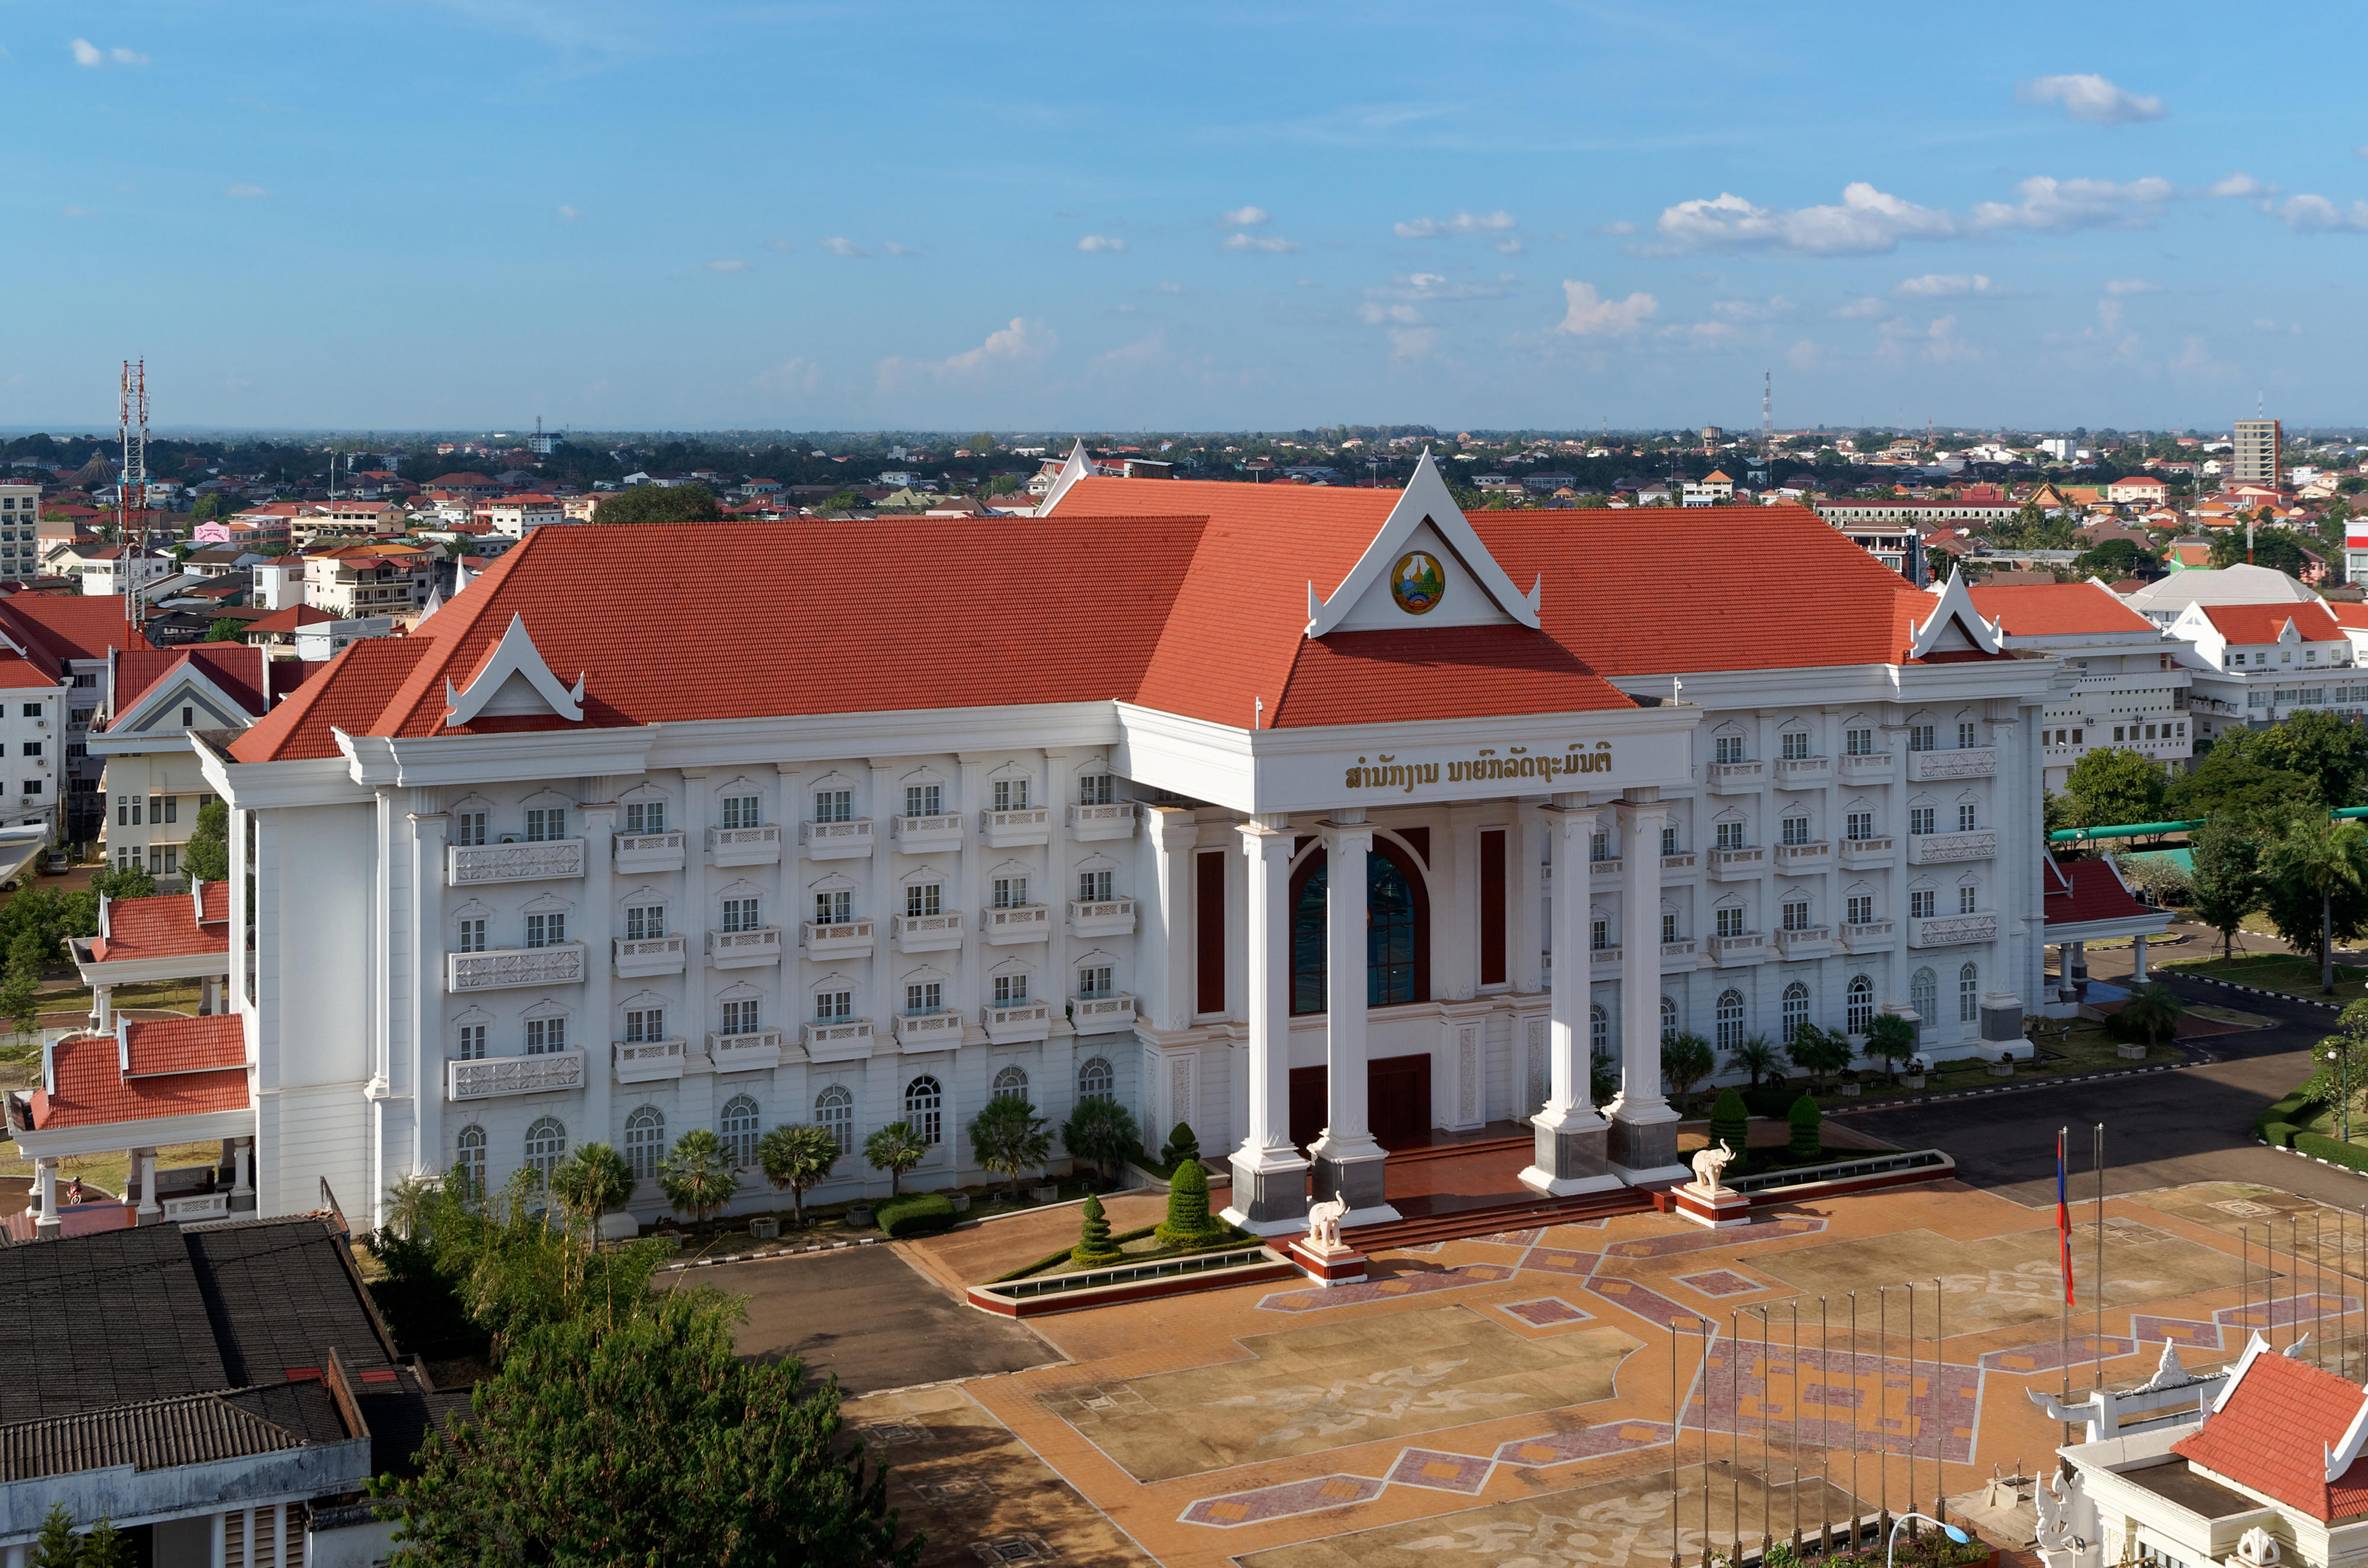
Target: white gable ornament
{"points": [[513, 680], [1078, 466], [1955, 626], [1402, 567]]}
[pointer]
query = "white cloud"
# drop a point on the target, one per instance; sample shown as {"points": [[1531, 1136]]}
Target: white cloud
{"points": [[1377, 312], [1506, 248], [90, 56], [1092, 243], [245, 192], [1148, 349], [1618, 226], [2121, 286], [125, 57], [1462, 223], [836, 246], [1435, 286], [1802, 356], [797, 376], [2360, 151], [1776, 307], [1859, 309], [569, 212], [1273, 244], [2058, 206], [1943, 346], [75, 212], [893, 248], [2238, 184], [1171, 288], [1243, 218], [1022, 340], [1940, 285], [2093, 100], [1867, 222], [2307, 214], [727, 264], [1590, 315]]}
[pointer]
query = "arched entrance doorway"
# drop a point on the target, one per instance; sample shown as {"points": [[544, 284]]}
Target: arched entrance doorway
{"points": [[1397, 971]]}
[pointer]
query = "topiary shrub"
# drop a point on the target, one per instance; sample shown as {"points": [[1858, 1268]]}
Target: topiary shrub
{"points": [[1805, 1120], [1769, 1100], [1188, 1221], [1094, 1244], [2332, 1150], [1730, 1124], [1183, 1145], [914, 1213]]}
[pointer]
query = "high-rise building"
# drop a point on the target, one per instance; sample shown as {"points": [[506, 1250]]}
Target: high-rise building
{"points": [[2255, 459]]}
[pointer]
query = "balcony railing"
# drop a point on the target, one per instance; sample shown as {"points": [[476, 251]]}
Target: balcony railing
{"points": [[198, 1206], [638, 956], [1744, 947], [1099, 918], [1951, 930], [1804, 772], [1013, 1022], [835, 840], [1088, 1013], [649, 1061], [1805, 941], [505, 968], [745, 1053], [838, 1039], [1868, 936], [744, 846], [1610, 866], [1677, 955], [926, 933], [1016, 829], [1018, 923], [549, 859], [1966, 762], [1866, 851], [929, 836], [1803, 857], [928, 1031], [1726, 865], [1683, 860], [1946, 848], [1736, 778], [1115, 820], [839, 939], [649, 851], [1604, 955], [489, 1077], [1866, 764], [745, 950]]}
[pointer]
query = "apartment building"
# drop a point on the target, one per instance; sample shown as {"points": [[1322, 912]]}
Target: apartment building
{"points": [[65, 639], [154, 698], [2123, 684], [2256, 451], [2255, 665], [21, 545], [514, 516], [367, 580]]}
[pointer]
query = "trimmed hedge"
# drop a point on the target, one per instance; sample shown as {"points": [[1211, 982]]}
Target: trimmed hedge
{"points": [[2334, 1151], [2278, 1123], [1050, 1258], [1769, 1100], [914, 1213]]}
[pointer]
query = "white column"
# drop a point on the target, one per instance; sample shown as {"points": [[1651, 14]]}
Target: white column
{"points": [[102, 1009], [45, 1180], [1270, 1177], [1642, 1146], [422, 1047], [599, 820], [2137, 967], [1349, 1165], [1571, 1137], [1170, 988], [242, 1172], [144, 1163]]}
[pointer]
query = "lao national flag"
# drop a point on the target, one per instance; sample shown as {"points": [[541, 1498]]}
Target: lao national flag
{"points": [[2063, 1220]]}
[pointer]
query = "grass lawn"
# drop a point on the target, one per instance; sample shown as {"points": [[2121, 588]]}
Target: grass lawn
{"points": [[2287, 972], [2086, 1049], [2329, 1124], [827, 1223]]}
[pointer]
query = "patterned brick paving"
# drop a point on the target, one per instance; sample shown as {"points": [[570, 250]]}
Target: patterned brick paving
{"points": [[1720, 1282], [1386, 1289], [1440, 1472], [1545, 1313], [1589, 1442], [1693, 1239], [1264, 1503], [1923, 1409]]}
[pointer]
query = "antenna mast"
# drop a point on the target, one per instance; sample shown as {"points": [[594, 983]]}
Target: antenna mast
{"points": [[134, 416]]}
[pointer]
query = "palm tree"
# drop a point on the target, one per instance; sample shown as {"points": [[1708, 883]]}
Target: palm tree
{"points": [[2156, 1009], [1008, 1138], [1892, 1039], [697, 1174], [1686, 1060], [1756, 1055], [2323, 855], [798, 1157], [1819, 1053], [591, 1181], [895, 1147]]}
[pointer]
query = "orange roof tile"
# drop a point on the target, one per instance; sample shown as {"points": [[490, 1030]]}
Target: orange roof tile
{"points": [[235, 668], [2056, 609], [165, 926], [2273, 1434], [2265, 623], [92, 1089], [161, 1046]]}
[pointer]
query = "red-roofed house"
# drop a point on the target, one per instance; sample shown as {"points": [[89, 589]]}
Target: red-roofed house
{"points": [[2130, 688], [151, 785], [857, 831], [2256, 663]]}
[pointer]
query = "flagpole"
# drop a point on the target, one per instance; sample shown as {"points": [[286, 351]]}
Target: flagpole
{"points": [[2097, 1288], [2064, 1257]]}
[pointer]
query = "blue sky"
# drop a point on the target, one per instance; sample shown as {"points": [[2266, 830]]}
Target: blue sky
{"points": [[371, 214]]}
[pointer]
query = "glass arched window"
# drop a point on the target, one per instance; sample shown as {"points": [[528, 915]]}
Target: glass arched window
{"points": [[1599, 1031], [737, 1128], [925, 1110], [1861, 1011], [1397, 941], [1012, 1080], [1924, 995], [1669, 1017], [470, 1156], [645, 1142], [1796, 1009], [1095, 1079], [1969, 995], [835, 1113], [546, 1145], [1730, 1019]]}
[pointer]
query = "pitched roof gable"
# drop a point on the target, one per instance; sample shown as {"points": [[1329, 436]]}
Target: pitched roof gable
{"points": [[2060, 610], [2280, 1427]]}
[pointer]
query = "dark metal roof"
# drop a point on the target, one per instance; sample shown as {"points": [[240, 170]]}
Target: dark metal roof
{"points": [[163, 1433], [112, 1318], [279, 1295]]}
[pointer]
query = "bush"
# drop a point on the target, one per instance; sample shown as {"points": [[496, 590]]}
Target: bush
{"points": [[1189, 1220], [2279, 1121], [1094, 1242], [1805, 1120], [1730, 1124], [2334, 1151], [1770, 1100], [914, 1213], [2279, 1134], [1183, 1145]]}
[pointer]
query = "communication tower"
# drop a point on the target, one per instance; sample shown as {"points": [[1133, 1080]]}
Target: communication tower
{"points": [[134, 480]]}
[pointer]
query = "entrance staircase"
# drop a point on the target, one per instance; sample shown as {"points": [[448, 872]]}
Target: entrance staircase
{"points": [[1511, 1215]]}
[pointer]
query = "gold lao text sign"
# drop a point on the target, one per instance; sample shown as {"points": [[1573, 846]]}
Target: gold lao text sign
{"points": [[1385, 772]]}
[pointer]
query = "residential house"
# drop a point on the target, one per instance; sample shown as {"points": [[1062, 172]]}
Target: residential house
{"points": [[153, 699], [1712, 489], [113, 570], [66, 640], [2163, 601], [276, 632], [2257, 663], [514, 516], [2137, 490], [367, 580], [315, 642]]}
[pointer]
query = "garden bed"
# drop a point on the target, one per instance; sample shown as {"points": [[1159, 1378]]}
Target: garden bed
{"points": [[2289, 974], [1136, 1246]]}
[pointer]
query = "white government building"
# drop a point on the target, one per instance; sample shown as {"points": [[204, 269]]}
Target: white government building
{"points": [[901, 816]]}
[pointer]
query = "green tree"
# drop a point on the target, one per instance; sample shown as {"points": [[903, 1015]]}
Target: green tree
{"points": [[106, 1546], [1821, 1053], [2325, 747], [206, 858], [1094, 1244], [1802, 1123], [2340, 1062], [2112, 785], [2153, 1010], [226, 629], [980, 445], [1182, 1145], [1009, 1139], [697, 1174], [1730, 1124], [838, 503], [2226, 885], [2318, 880], [895, 1147], [1603, 1077], [798, 1157], [57, 1546], [659, 504], [1100, 1132], [1756, 1055], [2228, 781], [646, 1441], [1188, 1221], [1891, 1039], [590, 1182], [1686, 1060], [2115, 559]]}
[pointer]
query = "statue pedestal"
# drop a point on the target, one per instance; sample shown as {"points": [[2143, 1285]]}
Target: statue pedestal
{"points": [[1336, 1264], [1720, 1211]]}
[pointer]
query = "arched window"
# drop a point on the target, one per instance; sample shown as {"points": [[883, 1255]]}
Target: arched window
{"points": [[469, 1159], [1860, 1014], [1969, 995], [925, 1110], [1012, 1080], [1599, 1031], [1924, 995], [737, 1128], [835, 1113], [1398, 930], [1669, 1017], [546, 1145], [1796, 1009], [1730, 1019], [1095, 1079], [645, 1142]]}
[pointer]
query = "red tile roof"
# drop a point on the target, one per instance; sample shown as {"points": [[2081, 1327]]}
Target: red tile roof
{"points": [[92, 1089], [2273, 1434], [2349, 614], [165, 926], [2079, 891], [58, 627], [2248, 624], [235, 668], [292, 618], [2056, 609], [161, 1046], [16, 673]]}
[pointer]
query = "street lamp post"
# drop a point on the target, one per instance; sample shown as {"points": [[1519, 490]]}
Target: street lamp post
{"points": [[2343, 1070], [1891, 1544]]}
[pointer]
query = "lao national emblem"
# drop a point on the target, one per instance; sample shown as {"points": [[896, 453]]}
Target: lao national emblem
{"points": [[1418, 583]]}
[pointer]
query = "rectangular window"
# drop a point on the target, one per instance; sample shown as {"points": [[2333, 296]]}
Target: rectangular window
{"points": [[740, 914], [832, 1005], [1094, 979], [1011, 893], [546, 1035], [1795, 743], [1011, 794], [1599, 846], [1920, 737], [545, 930], [1857, 742], [32, 748], [1796, 830], [139, 804], [1862, 909], [470, 1047], [33, 711], [164, 861], [834, 908], [1209, 931], [1969, 900], [1964, 734], [1598, 935], [468, 828], [1730, 922], [2076, 740], [740, 1017], [645, 1023], [1730, 836], [1010, 988], [1668, 927], [925, 800], [927, 997], [645, 922], [834, 805], [1093, 887], [1919, 820], [544, 822], [924, 898], [1919, 905], [742, 810], [1727, 748], [470, 937], [1964, 816], [1668, 841], [1860, 825], [1096, 789], [123, 811], [1493, 906], [1796, 914], [644, 816]]}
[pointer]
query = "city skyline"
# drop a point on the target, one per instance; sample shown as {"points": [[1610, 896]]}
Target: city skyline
{"points": [[456, 216]]}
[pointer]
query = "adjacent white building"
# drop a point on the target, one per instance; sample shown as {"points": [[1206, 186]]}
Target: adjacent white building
{"points": [[2125, 682], [2257, 663]]}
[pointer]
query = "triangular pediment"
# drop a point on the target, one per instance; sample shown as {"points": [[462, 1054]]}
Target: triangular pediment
{"points": [[1954, 625], [1426, 566], [159, 708], [1078, 466], [513, 682]]}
